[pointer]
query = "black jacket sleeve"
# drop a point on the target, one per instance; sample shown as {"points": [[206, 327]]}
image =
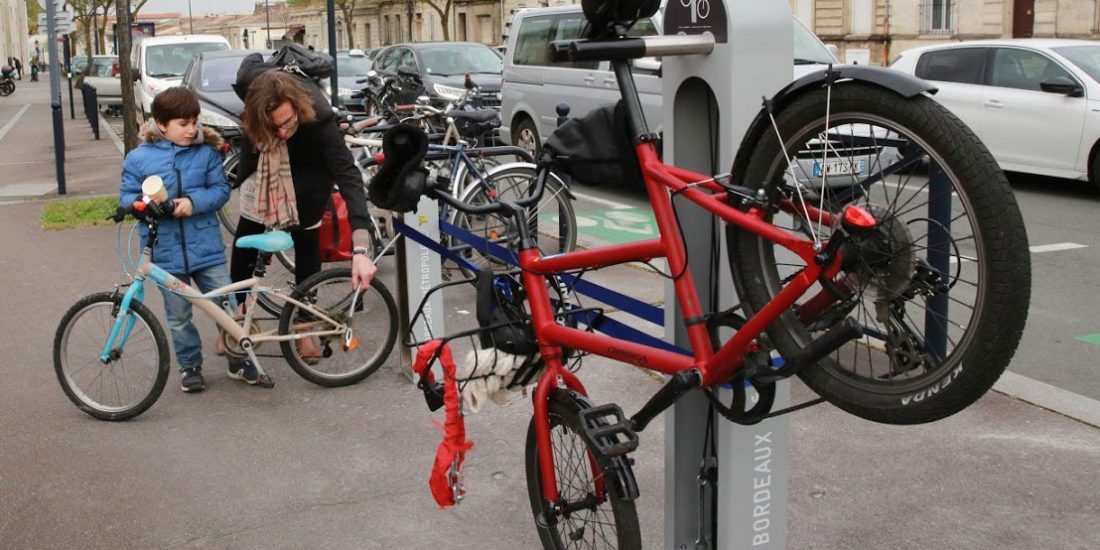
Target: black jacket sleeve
{"points": [[345, 174]]}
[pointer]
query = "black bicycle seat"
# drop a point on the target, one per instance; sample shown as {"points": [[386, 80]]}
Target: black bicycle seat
{"points": [[477, 115]]}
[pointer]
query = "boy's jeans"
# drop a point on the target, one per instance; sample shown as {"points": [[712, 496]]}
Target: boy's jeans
{"points": [[185, 338]]}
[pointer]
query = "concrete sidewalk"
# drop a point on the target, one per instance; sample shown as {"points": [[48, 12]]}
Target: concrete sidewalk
{"points": [[27, 168], [307, 467]]}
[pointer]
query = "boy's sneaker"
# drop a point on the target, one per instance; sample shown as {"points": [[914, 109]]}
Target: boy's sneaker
{"points": [[192, 381], [246, 372]]}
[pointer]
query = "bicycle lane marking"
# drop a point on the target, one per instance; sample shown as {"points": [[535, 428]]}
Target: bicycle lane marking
{"points": [[14, 119]]}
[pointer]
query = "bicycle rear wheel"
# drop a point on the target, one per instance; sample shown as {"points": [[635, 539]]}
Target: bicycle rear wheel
{"points": [[134, 376], [591, 512], [940, 286], [552, 221], [374, 326]]}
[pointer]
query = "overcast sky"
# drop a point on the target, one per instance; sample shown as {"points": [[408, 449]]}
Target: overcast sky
{"points": [[198, 7]]}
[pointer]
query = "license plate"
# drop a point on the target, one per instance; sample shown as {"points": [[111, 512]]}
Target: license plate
{"points": [[842, 168]]}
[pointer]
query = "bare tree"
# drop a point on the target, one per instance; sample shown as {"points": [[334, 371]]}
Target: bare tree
{"points": [[347, 7], [443, 8], [129, 109]]}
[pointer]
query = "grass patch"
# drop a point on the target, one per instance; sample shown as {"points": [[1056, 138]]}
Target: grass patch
{"points": [[77, 213]]}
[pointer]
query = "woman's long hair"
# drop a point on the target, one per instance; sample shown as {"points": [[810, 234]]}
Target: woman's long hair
{"points": [[267, 92]]}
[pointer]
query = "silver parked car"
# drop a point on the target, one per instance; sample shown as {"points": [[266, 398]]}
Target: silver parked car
{"points": [[533, 86]]}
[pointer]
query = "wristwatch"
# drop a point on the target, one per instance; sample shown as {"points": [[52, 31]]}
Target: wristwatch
{"points": [[359, 250]]}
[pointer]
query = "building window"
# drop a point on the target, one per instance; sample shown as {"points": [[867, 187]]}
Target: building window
{"points": [[937, 16]]}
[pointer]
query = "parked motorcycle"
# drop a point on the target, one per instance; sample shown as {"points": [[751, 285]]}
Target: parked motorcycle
{"points": [[7, 80]]}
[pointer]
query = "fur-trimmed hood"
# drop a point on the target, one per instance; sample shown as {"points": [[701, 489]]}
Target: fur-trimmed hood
{"points": [[149, 133]]}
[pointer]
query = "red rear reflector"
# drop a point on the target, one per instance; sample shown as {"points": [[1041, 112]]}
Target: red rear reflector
{"points": [[857, 216]]}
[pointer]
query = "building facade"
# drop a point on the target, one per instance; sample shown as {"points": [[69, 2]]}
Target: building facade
{"points": [[875, 31], [14, 32]]}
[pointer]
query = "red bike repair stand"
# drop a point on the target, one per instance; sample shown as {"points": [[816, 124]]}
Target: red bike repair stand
{"points": [[709, 102]]}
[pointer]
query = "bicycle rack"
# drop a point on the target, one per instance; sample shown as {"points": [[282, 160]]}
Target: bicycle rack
{"points": [[710, 100]]}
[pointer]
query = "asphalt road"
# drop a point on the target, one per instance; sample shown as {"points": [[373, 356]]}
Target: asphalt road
{"points": [[1061, 343]]}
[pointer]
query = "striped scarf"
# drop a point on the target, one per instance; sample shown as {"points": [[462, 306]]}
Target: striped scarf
{"points": [[271, 200]]}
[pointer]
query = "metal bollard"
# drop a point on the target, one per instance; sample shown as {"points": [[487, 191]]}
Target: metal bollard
{"points": [[563, 115], [91, 107]]}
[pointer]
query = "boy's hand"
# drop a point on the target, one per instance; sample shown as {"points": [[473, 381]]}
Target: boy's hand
{"points": [[184, 208]]}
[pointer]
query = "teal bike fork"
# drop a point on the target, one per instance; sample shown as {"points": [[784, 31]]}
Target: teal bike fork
{"points": [[124, 322]]}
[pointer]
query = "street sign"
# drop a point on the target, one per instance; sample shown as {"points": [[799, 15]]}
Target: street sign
{"points": [[65, 28]]}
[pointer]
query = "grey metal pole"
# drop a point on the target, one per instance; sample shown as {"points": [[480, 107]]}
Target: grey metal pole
{"points": [[55, 96], [267, 16], [334, 84], [190, 17], [68, 69]]}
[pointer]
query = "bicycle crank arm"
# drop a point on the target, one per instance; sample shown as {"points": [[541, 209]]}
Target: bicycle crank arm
{"points": [[837, 335], [678, 385]]}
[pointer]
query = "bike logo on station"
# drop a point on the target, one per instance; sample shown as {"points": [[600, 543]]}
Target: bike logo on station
{"points": [[696, 17]]}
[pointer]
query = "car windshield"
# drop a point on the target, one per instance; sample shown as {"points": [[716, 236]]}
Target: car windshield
{"points": [[353, 65], [171, 60], [102, 66], [808, 49], [454, 59], [1087, 58], [218, 74]]}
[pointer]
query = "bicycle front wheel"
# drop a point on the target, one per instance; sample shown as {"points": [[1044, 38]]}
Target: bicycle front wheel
{"points": [[136, 370], [373, 323], [940, 285], [591, 512], [552, 221]]}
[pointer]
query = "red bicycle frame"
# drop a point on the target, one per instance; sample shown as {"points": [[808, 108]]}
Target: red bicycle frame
{"points": [[714, 366]]}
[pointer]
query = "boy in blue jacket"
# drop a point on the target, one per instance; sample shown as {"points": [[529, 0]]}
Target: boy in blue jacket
{"points": [[188, 158]]}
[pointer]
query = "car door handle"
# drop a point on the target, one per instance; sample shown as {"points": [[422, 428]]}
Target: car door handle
{"points": [[993, 104], [590, 79], [609, 81]]}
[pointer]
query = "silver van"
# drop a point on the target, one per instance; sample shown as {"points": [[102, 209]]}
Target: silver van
{"points": [[533, 86]]}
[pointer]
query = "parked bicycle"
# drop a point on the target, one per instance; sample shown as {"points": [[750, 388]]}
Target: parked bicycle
{"points": [[111, 353], [875, 244]]}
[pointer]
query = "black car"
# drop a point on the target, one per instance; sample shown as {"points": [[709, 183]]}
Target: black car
{"points": [[438, 70], [211, 75]]}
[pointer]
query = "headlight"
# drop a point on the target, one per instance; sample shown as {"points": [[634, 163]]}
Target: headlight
{"points": [[210, 118], [447, 92]]}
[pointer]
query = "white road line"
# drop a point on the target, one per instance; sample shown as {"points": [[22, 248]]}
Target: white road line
{"points": [[1056, 247], [611, 203], [14, 119]]}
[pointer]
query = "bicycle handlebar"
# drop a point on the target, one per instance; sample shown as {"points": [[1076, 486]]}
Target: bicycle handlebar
{"points": [[631, 48], [143, 210], [514, 208]]}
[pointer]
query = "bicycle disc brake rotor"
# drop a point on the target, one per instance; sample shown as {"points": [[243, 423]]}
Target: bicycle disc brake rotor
{"points": [[884, 259]]}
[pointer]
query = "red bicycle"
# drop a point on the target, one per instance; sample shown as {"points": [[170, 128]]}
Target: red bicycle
{"points": [[873, 241]]}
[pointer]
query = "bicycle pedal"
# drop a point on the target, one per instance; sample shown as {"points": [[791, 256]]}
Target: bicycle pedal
{"points": [[608, 431]]}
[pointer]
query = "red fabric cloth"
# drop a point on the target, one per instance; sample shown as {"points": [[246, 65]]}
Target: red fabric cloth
{"points": [[454, 445]]}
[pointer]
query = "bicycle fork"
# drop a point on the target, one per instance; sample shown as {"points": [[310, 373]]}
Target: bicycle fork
{"points": [[124, 322]]}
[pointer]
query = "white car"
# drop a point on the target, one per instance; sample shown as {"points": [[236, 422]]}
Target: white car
{"points": [[1034, 102], [160, 61]]}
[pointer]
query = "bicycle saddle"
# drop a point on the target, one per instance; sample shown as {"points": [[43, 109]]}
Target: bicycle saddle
{"points": [[275, 241], [477, 115]]}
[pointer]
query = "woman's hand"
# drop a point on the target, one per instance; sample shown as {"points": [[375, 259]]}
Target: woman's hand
{"points": [[362, 270]]}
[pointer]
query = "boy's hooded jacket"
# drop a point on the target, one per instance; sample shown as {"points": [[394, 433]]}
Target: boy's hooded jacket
{"points": [[184, 245]]}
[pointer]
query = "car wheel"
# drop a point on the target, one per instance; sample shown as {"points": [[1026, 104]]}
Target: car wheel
{"points": [[526, 136], [1094, 170]]}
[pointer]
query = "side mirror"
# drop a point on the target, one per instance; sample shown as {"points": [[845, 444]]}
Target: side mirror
{"points": [[1061, 85]]}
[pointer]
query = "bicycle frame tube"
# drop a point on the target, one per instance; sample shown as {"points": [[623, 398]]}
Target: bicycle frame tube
{"points": [[135, 292], [226, 322]]}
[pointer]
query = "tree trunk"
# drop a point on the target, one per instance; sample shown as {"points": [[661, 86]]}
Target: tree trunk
{"points": [[347, 30], [89, 24], [103, 31], [129, 109]]}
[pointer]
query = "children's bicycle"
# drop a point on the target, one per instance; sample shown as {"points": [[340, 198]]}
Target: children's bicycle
{"points": [[111, 353], [873, 241]]}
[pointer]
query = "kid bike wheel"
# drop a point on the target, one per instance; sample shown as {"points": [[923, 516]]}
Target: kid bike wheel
{"points": [[133, 377], [940, 285], [374, 326], [586, 516], [553, 221]]}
